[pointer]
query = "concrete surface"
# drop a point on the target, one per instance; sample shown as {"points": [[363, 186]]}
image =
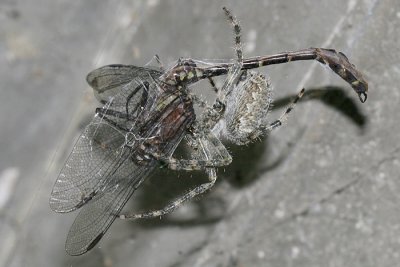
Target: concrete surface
{"points": [[321, 191]]}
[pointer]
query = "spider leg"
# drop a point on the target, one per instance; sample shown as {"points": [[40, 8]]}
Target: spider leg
{"points": [[212, 153], [177, 202], [234, 71], [211, 117], [279, 122], [210, 113], [204, 159], [237, 31], [213, 86]]}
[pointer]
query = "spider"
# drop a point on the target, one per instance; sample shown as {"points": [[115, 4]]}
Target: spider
{"points": [[148, 112]]}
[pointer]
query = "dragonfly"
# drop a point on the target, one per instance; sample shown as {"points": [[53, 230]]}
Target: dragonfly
{"points": [[146, 113]]}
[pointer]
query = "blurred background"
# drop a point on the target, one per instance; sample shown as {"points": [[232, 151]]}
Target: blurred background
{"points": [[321, 191]]}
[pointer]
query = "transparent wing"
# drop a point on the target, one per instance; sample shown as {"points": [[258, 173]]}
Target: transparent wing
{"points": [[98, 150], [108, 81], [96, 217], [88, 167]]}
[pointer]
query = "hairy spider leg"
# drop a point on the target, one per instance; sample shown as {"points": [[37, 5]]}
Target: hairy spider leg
{"points": [[237, 31], [212, 116], [279, 122], [207, 149]]}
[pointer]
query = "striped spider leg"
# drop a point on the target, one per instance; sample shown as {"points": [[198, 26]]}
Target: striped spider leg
{"points": [[208, 153]]}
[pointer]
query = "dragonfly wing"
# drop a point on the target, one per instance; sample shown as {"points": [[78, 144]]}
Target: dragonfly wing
{"points": [[98, 150], [96, 217], [87, 170], [109, 80]]}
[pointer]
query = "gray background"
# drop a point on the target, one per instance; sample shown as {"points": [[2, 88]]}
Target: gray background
{"points": [[321, 191]]}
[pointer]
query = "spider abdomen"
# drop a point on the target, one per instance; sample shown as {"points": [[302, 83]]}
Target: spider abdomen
{"points": [[247, 108]]}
